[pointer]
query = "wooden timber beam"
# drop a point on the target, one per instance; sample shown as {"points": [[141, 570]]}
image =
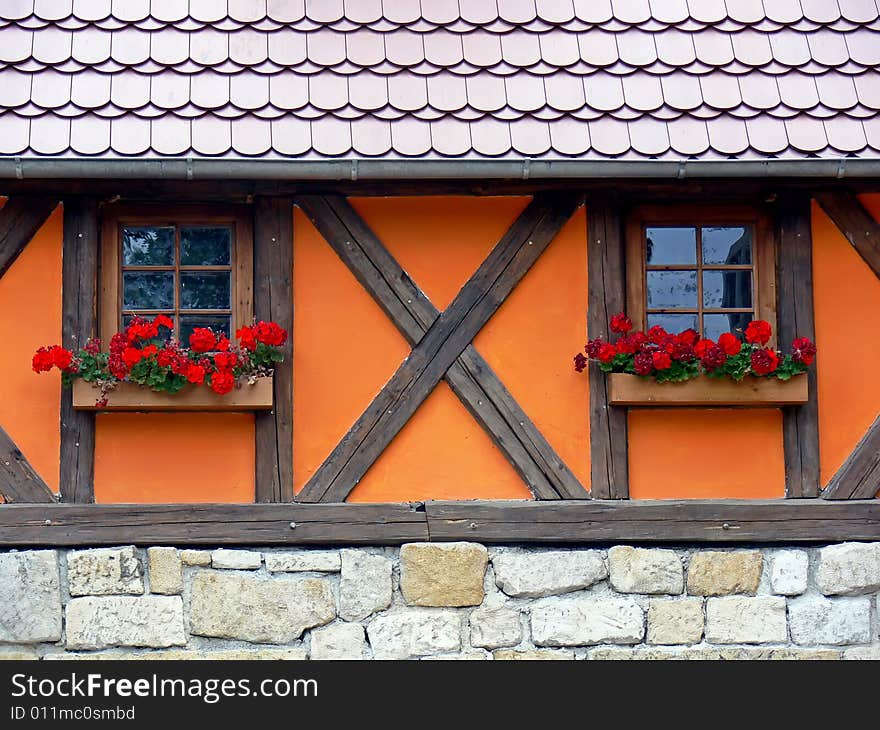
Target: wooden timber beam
{"points": [[273, 300], [859, 476], [79, 272], [854, 222], [559, 522], [794, 307], [20, 219], [606, 271], [470, 377], [441, 346], [19, 482]]}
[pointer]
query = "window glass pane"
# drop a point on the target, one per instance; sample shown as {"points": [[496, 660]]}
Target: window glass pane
{"points": [[148, 290], [717, 324], [148, 246], [673, 323], [188, 323], [672, 290], [727, 245], [667, 245], [205, 246], [727, 289], [204, 290]]}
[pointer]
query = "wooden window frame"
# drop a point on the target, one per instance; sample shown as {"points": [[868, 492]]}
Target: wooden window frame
{"points": [[114, 217], [699, 215]]}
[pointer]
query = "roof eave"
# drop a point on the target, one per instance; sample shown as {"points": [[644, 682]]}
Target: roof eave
{"points": [[385, 169]]}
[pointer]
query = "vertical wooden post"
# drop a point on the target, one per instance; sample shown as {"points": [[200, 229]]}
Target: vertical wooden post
{"points": [[609, 471], [800, 426], [273, 300], [78, 317]]}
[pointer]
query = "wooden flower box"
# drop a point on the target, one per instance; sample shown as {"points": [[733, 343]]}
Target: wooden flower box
{"points": [[131, 397], [631, 390]]}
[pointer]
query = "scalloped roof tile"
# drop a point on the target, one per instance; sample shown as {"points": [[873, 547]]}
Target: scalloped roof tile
{"points": [[403, 78]]}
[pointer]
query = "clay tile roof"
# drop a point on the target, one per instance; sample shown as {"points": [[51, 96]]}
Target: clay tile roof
{"points": [[553, 79]]}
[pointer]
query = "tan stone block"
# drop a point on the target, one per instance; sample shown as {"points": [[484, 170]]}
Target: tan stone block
{"points": [[724, 573], [443, 574], [704, 654], [532, 655], [166, 571], [187, 655], [199, 558], [675, 622]]}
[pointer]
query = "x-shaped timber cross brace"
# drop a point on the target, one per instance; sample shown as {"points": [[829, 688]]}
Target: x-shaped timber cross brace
{"points": [[441, 348]]}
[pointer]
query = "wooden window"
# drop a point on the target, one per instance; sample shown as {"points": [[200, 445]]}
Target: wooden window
{"points": [[191, 263], [710, 269]]}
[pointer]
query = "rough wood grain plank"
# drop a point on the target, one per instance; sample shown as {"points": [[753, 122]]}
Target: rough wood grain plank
{"points": [[273, 300], [19, 481], [441, 345], [859, 476], [800, 424], [654, 521], [133, 397], [212, 524], [79, 271], [470, 377], [609, 469], [20, 219], [854, 222]]}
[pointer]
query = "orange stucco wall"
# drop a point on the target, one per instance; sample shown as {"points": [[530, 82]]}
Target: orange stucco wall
{"points": [[30, 316], [346, 349], [174, 457], [847, 302]]}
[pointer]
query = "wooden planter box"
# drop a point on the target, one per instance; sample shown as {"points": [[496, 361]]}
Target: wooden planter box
{"points": [[631, 390], [131, 397]]}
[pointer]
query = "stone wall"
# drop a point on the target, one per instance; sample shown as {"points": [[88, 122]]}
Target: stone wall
{"points": [[453, 600]]}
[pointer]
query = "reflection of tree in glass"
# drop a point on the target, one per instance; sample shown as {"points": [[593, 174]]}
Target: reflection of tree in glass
{"points": [[148, 246], [148, 290], [209, 290], [205, 246]]}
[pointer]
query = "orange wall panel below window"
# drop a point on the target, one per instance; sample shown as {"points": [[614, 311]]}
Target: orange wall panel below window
{"points": [[30, 317], [151, 458], [683, 453], [847, 306]]}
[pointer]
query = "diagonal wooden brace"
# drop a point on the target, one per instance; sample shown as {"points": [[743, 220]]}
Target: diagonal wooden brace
{"points": [[441, 339]]}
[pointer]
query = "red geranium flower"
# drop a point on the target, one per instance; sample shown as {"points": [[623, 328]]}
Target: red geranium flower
{"points": [[621, 324], [662, 361], [93, 346], [131, 356], [580, 362], [643, 363], [270, 333], [166, 357], [688, 336], [246, 337], [607, 352], [702, 347], [758, 332], [222, 381], [202, 340], [730, 343], [43, 360], [225, 360], [803, 351], [657, 334], [764, 361], [195, 374], [714, 357], [163, 321]]}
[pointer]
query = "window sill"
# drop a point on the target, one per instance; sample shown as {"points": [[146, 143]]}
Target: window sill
{"points": [[631, 390], [131, 397]]}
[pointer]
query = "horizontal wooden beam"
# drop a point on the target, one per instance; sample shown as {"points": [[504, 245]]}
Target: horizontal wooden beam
{"points": [[211, 524], [566, 522], [655, 521]]}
